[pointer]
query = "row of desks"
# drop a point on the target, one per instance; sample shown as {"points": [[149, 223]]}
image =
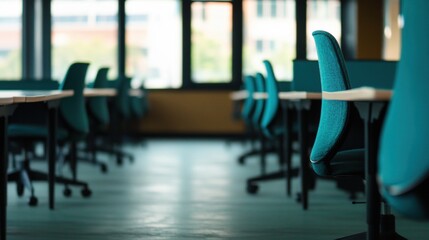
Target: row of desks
{"points": [[51, 99], [370, 102], [356, 94]]}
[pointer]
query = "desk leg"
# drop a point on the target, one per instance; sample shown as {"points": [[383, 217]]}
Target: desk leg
{"points": [[3, 176], [370, 113], [286, 145], [52, 139], [303, 134]]}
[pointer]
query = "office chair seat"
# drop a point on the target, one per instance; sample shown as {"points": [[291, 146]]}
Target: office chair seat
{"points": [[33, 131], [344, 163]]}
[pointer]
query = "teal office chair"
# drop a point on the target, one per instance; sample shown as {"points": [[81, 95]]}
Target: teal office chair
{"points": [[139, 107], [252, 114], [247, 111], [121, 113], [337, 150], [403, 158], [249, 102], [139, 104], [74, 128], [270, 125], [259, 104], [98, 111], [336, 116]]}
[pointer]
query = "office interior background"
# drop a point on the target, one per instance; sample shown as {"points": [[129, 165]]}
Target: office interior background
{"points": [[189, 55]]}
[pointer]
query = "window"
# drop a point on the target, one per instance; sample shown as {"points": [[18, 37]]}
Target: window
{"points": [[10, 41], [279, 39], [211, 42], [260, 8], [392, 30], [84, 30], [273, 8], [322, 15], [154, 42]]}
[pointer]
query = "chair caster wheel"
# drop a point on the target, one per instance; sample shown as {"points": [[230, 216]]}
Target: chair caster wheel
{"points": [[241, 161], [86, 192], [67, 192], [33, 201], [20, 189], [252, 188], [103, 168]]}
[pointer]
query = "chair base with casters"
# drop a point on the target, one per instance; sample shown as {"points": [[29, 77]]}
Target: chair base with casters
{"points": [[259, 152], [286, 171], [24, 175]]}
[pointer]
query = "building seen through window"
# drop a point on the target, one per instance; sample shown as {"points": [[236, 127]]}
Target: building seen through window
{"points": [[322, 15], [10, 41], [276, 43], [211, 42], [84, 31], [154, 42]]}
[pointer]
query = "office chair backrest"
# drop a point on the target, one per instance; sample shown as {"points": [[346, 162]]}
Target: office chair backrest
{"points": [[403, 155], [333, 124], [122, 102], [137, 108], [272, 104], [98, 105], [260, 103], [72, 109], [249, 102]]}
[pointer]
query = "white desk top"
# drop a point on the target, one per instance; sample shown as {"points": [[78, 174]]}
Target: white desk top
{"points": [[238, 95], [359, 94], [293, 95], [135, 93], [4, 100], [260, 95], [99, 92], [35, 96]]}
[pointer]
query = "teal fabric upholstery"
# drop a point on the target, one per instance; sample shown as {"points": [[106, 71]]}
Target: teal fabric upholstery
{"points": [[122, 102], [344, 163], [97, 106], [334, 117], [249, 102], [72, 109], [272, 104], [137, 109], [403, 156], [35, 131], [260, 103]]}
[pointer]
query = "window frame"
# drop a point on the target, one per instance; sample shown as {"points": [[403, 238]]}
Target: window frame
{"points": [[39, 63], [237, 39]]}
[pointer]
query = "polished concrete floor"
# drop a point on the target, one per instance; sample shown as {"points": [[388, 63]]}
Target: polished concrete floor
{"points": [[189, 189]]}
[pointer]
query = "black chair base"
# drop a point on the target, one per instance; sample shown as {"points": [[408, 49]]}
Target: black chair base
{"points": [[120, 155], [358, 236], [94, 161], [252, 187], [254, 152], [24, 178], [387, 230]]}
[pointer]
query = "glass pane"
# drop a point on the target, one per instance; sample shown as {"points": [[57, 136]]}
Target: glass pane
{"points": [[322, 15], [211, 42], [154, 42], [86, 31], [269, 33], [10, 41]]}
